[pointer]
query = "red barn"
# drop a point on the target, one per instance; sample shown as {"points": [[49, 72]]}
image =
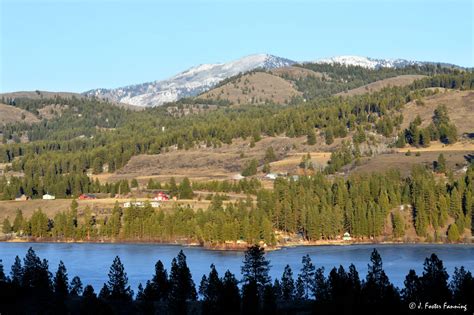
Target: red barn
{"points": [[87, 197], [161, 196]]}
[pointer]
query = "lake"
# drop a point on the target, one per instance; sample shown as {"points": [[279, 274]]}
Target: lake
{"points": [[91, 262]]}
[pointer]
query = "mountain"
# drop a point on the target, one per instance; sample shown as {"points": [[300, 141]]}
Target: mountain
{"points": [[370, 63], [191, 82]]}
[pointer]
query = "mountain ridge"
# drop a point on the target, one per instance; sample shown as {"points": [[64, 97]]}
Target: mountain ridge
{"points": [[202, 78]]}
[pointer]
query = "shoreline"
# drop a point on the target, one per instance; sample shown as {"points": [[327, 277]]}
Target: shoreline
{"points": [[232, 247]]}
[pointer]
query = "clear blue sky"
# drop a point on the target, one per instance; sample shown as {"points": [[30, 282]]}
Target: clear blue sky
{"points": [[79, 45]]}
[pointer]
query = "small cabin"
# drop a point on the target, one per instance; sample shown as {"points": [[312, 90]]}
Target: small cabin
{"points": [[346, 237], [49, 197]]}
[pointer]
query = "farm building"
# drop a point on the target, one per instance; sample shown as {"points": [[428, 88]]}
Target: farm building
{"points": [[161, 196], [49, 197], [87, 197]]}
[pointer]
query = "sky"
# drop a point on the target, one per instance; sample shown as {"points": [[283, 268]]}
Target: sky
{"points": [[76, 46]]}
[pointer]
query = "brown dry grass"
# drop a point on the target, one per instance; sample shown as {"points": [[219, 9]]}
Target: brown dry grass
{"points": [[438, 146], [401, 80], [202, 164], [257, 87], [460, 105], [10, 114], [398, 160], [100, 207]]}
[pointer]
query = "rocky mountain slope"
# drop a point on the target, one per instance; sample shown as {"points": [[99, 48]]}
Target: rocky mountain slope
{"points": [[188, 83]]}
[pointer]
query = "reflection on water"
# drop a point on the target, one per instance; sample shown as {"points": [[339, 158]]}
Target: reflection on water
{"points": [[91, 262]]}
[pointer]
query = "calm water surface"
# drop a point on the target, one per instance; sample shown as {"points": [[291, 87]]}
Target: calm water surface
{"points": [[91, 262]]}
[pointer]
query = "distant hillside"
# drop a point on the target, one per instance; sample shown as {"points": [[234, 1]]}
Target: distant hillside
{"points": [[401, 80], [460, 105], [10, 114], [295, 73], [254, 88]]}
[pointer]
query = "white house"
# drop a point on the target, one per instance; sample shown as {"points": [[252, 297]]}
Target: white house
{"points": [[271, 176], [346, 237], [49, 197]]}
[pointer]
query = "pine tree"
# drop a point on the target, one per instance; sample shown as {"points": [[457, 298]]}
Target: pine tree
{"points": [[230, 295], [287, 284], [35, 273], [182, 288], [60, 282], [462, 286], [16, 273], [412, 290], [440, 165], [453, 233], [311, 137], [210, 289], [76, 286], [7, 227], [185, 190], [18, 222], [434, 281], [255, 267], [118, 282], [307, 275], [157, 289]]}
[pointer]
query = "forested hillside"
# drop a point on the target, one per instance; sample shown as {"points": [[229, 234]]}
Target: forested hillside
{"points": [[81, 137]]}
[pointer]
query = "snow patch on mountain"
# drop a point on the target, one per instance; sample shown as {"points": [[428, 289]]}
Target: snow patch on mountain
{"points": [[370, 63], [188, 83]]}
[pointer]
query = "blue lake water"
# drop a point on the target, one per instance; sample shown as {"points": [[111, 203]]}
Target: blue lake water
{"points": [[91, 262]]}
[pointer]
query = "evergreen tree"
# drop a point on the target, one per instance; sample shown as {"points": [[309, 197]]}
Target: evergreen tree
{"points": [[229, 299], [210, 289], [173, 188], [311, 137], [453, 233], [16, 274], [185, 190], [250, 168], [287, 284], [307, 275], [377, 289], [118, 282], [60, 282], [104, 293], [250, 298], [18, 222], [157, 289], [7, 227], [462, 286], [35, 273], [412, 290], [440, 165], [182, 288], [434, 281], [255, 267], [76, 286]]}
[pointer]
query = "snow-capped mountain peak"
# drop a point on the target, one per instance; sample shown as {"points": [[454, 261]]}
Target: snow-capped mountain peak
{"points": [[366, 62], [190, 82]]}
